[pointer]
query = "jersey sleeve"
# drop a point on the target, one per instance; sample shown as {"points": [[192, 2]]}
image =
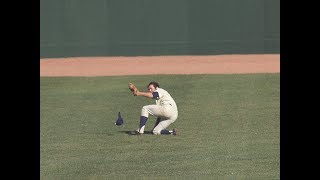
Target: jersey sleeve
{"points": [[157, 94]]}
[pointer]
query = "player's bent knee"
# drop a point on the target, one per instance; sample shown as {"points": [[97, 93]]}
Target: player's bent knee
{"points": [[156, 132]]}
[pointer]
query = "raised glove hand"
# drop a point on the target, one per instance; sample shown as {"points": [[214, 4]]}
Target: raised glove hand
{"points": [[133, 89]]}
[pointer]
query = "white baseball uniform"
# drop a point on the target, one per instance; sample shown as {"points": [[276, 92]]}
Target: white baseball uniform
{"points": [[165, 109]]}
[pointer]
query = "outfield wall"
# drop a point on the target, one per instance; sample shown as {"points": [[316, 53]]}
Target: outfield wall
{"points": [[71, 28]]}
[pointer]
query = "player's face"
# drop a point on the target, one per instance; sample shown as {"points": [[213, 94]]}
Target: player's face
{"points": [[151, 88]]}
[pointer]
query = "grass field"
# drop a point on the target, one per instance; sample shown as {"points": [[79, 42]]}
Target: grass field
{"points": [[229, 128]]}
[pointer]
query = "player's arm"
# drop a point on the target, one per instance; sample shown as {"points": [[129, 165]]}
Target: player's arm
{"points": [[154, 95], [145, 94], [136, 92]]}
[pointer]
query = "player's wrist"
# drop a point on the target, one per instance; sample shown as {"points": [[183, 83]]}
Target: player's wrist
{"points": [[138, 93]]}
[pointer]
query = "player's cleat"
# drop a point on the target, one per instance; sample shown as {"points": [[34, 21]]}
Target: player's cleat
{"points": [[136, 132], [174, 131]]}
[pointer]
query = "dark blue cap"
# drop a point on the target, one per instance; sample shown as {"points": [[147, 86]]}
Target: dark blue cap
{"points": [[119, 121]]}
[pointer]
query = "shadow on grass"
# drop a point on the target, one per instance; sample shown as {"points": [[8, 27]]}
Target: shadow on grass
{"points": [[133, 133]]}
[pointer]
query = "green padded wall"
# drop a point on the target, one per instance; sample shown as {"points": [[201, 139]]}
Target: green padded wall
{"points": [[158, 27]]}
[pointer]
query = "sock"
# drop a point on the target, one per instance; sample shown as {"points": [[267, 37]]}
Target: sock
{"points": [[165, 131], [143, 121]]}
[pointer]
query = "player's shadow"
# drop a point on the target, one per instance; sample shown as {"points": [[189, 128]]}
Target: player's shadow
{"points": [[133, 133]]}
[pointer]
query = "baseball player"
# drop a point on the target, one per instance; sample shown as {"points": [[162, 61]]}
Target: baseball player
{"points": [[165, 109]]}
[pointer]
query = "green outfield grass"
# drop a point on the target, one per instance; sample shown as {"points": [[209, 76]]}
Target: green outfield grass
{"points": [[229, 128]]}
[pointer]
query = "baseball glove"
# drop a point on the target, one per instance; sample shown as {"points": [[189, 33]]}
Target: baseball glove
{"points": [[133, 89]]}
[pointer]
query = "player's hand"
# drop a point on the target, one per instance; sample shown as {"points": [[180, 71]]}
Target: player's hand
{"points": [[133, 89]]}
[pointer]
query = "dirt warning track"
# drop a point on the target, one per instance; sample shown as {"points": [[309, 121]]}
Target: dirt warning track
{"points": [[144, 65]]}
